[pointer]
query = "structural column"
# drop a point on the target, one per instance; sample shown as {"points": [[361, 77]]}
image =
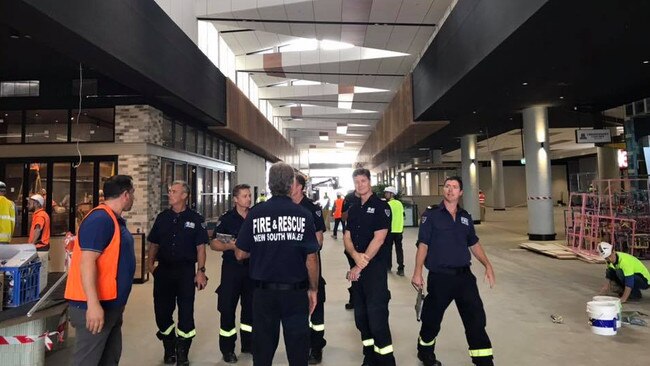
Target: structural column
{"points": [[498, 191], [469, 168], [538, 174]]}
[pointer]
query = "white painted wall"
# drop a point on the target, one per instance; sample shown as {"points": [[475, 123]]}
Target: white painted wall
{"points": [[515, 184], [251, 170], [183, 13]]}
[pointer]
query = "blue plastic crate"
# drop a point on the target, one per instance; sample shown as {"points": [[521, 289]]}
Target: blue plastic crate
{"points": [[21, 284]]}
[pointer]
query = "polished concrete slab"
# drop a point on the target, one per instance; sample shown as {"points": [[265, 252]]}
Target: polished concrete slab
{"points": [[530, 287]]}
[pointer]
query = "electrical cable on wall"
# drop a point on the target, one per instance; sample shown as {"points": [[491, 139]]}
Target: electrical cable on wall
{"points": [[81, 80]]}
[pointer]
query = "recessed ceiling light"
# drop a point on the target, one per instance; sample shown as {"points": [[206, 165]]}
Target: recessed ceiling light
{"points": [[423, 149], [474, 112], [524, 83], [341, 128], [340, 144], [646, 62], [323, 136], [561, 97]]}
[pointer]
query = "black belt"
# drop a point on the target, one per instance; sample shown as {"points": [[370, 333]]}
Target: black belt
{"points": [[281, 286], [452, 270]]}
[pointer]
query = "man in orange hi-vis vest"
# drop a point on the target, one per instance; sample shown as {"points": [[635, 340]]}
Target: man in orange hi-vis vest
{"points": [[100, 276]]}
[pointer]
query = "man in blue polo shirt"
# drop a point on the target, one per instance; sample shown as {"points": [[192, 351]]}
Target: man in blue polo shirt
{"points": [[445, 241], [279, 237], [98, 324]]}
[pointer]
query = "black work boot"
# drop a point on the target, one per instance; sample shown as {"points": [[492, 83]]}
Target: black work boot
{"points": [[229, 357], [182, 350], [428, 359], [170, 351], [350, 304], [315, 356]]}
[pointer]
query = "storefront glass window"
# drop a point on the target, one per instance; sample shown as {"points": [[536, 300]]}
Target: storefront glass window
{"points": [[11, 127], [46, 126], [60, 217], [93, 125], [84, 194]]}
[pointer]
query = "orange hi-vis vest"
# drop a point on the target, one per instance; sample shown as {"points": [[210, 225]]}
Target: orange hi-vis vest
{"points": [[338, 208], [106, 266]]}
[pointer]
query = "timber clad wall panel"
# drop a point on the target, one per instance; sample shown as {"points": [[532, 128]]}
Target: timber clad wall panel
{"points": [[249, 128], [396, 131]]}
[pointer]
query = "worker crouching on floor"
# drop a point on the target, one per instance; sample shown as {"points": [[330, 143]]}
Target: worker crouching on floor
{"points": [[626, 275]]}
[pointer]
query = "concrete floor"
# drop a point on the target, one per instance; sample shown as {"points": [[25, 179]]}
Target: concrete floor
{"points": [[530, 287]]}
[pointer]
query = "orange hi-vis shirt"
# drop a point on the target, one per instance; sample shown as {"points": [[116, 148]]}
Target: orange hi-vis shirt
{"points": [[338, 208], [42, 219]]}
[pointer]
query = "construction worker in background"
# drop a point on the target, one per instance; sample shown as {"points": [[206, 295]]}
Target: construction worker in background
{"points": [[481, 203], [39, 234], [177, 241], [7, 216], [626, 275], [396, 230], [279, 237], [317, 318], [445, 240], [100, 277], [368, 225], [261, 198], [236, 283], [337, 214]]}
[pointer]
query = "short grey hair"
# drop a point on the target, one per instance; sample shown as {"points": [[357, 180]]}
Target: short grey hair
{"points": [[281, 177], [186, 187]]}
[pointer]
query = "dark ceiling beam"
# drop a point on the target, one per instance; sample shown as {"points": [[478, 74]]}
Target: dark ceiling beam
{"points": [[132, 42], [271, 73], [318, 22]]}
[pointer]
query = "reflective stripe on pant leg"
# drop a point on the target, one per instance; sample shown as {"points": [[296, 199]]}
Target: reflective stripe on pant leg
{"points": [[426, 344], [227, 333], [246, 328], [167, 331], [385, 350], [368, 342], [186, 335], [317, 327], [480, 352]]}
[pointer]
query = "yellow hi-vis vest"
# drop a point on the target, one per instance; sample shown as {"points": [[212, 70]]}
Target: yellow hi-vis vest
{"points": [[7, 219]]}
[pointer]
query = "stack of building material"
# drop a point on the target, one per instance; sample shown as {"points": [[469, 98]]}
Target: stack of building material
{"points": [[554, 250]]}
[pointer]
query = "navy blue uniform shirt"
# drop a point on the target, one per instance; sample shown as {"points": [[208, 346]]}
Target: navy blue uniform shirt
{"points": [[229, 223], [364, 219], [448, 240], [178, 235], [316, 212], [95, 233], [279, 235], [349, 200]]}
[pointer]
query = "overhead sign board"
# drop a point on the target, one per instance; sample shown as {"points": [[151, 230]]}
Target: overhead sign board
{"points": [[593, 136]]}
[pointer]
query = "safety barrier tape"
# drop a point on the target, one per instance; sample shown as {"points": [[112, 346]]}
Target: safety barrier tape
{"points": [[27, 339]]}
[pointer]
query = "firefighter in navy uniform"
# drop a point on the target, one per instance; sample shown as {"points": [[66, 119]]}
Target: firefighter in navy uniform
{"points": [[177, 241], [368, 225], [279, 236], [317, 320], [446, 238], [350, 200], [235, 281]]}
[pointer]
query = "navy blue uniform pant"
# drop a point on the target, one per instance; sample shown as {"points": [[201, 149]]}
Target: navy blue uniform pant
{"points": [[272, 307], [395, 239], [317, 319], [640, 283], [370, 295], [174, 285], [336, 226], [461, 287], [235, 285]]}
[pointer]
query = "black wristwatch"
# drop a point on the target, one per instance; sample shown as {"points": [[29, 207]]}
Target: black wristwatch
{"points": [[202, 269]]}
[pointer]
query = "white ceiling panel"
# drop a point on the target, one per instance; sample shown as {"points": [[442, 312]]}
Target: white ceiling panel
{"points": [[303, 30], [377, 36], [390, 65], [327, 10], [384, 11], [330, 32], [244, 7], [413, 11], [401, 38], [350, 67], [437, 11], [274, 10], [300, 11]]}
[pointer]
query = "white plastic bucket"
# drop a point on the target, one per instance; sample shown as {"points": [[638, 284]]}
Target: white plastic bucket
{"points": [[602, 317], [616, 302]]}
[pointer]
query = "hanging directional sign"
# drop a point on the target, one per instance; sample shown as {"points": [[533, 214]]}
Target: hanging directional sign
{"points": [[593, 136]]}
